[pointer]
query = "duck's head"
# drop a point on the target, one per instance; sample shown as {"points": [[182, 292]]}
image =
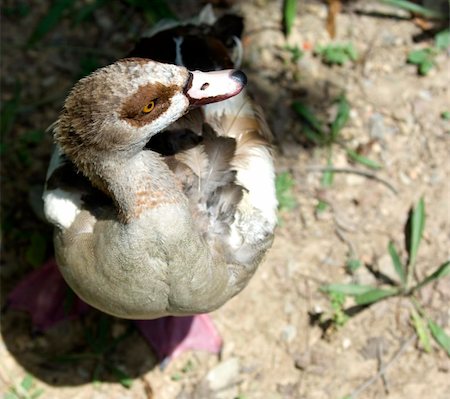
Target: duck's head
{"points": [[118, 108]]}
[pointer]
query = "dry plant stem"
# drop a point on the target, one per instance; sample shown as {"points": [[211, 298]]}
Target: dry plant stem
{"points": [[334, 8], [359, 172], [312, 278], [148, 390], [383, 369], [381, 365], [344, 239], [365, 57], [340, 228]]}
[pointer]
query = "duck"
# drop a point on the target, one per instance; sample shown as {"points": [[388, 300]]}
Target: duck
{"points": [[161, 183], [179, 236]]}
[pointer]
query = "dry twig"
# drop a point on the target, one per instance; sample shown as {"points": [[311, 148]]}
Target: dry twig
{"points": [[334, 8], [359, 172], [383, 369]]}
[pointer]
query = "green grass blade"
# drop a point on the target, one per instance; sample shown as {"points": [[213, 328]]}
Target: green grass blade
{"points": [[426, 67], [422, 330], [296, 53], [124, 379], [328, 175], [326, 181], [27, 382], [442, 40], [337, 53], [445, 115], [342, 117], [353, 155], [312, 135], [374, 295], [351, 51], [321, 206], [353, 264], [347, 289], [289, 14], [327, 178], [397, 262], [308, 117], [418, 56], [442, 271], [50, 20], [37, 393], [415, 8], [414, 231], [283, 188], [337, 300], [440, 336]]}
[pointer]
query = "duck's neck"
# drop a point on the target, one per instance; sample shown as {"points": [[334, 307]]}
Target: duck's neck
{"points": [[138, 184]]}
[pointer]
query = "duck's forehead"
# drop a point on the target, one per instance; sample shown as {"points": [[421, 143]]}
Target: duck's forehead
{"points": [[143, 72]]}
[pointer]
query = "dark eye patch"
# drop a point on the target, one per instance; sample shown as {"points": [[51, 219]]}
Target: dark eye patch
{"points": [[132, 108]]}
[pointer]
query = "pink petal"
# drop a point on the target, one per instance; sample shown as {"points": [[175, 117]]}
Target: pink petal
{"points": [[44, 294], [171, 336]]}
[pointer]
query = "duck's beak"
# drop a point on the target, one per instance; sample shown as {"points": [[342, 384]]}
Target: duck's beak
{"points": [[209, 87]]}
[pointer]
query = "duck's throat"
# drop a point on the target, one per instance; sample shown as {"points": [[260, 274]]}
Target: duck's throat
{"points": [[139, 185]]}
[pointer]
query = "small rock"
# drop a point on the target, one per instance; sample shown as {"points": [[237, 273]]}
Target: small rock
{"points": [[302, 360], [425, 95], [363, 275], [375, 347], [224, 374], [289, 308], [346, 343], [403, 178], [377, 127], [289, 333], [317, 309], [388, 39], [356, 118]]}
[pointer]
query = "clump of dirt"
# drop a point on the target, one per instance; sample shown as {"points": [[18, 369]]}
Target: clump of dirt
{"points": [[272, 347]]}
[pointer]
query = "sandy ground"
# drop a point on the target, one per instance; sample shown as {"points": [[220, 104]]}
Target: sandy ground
{"points": [[272, 347]]}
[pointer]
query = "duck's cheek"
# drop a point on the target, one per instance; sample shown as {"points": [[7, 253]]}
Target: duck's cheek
{"points": [[178, 106]]}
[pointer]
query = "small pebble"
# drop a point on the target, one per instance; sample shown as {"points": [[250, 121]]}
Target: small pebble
{"points": [[346, 343], [224, 374], [289, 333]]}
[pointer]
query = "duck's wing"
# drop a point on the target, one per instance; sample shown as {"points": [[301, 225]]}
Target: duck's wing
{"points": [[68, 193], [241, 119], [205, 174]]}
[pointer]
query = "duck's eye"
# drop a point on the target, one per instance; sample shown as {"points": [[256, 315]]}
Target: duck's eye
{"points": [[149, 107]]}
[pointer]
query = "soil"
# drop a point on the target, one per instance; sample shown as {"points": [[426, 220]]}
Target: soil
{"points": [[274, 347]]}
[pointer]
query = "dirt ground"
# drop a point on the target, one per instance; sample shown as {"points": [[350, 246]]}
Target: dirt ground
{"points": [[272, 348]]}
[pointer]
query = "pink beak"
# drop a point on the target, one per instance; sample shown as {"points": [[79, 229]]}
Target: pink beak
{"points": [[209, 87]]}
